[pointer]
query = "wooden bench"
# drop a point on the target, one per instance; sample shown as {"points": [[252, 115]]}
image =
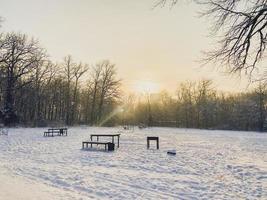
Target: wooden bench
{"points": [[108, 145], [112, 136], [57, 131]]}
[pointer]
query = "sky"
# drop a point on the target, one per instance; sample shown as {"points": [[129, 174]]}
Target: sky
{"points": [[161, 46]]}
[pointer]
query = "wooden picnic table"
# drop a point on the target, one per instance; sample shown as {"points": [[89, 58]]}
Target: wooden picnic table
{"points": [[108, 145], [58, 131], [106, 135]]}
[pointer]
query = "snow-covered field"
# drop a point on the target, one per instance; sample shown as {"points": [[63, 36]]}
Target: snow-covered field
{"points": [[208, 165]]}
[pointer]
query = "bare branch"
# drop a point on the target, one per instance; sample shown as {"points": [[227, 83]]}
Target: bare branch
{"points": [[241, 26]]}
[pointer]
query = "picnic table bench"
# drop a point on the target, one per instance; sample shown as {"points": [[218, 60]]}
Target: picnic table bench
{"points": [[57, 131], [106, 135], [108, 145]]}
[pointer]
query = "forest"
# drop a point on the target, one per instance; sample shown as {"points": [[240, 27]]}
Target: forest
{"points": [[199, 105], [34, 91]]}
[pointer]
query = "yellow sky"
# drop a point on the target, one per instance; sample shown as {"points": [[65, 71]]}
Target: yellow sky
{"points": [[160, 45]]}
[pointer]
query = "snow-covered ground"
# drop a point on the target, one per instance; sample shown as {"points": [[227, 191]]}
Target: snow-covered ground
{"points": [[208, 165]]}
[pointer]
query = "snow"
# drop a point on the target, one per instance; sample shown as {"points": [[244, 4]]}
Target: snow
{"points": [[207, 165]]}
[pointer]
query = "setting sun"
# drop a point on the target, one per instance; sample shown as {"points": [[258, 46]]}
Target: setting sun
{"points": [[146, 86]]}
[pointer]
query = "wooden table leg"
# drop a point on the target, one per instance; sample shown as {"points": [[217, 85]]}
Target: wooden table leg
{"points": [[118, 141]]}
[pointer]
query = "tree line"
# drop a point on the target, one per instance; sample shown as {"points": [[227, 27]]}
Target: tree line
{"points": [[36, 91], [199, 105]]}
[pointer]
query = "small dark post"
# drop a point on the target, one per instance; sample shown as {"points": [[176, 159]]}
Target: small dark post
{"points": [[118, 141]]}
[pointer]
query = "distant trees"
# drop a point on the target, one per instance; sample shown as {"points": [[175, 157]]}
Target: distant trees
{"points": [[259, 97], [185, 101], [199, 105], [38, 92], [95, 82], [104, 90], [241, 27], [72, 72], [78, 72], [42, 75], [35, 91], [68, 67]]}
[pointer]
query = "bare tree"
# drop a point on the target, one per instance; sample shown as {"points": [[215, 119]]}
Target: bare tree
{"points": [[78, 72], [94, 86], [68, 66], [109, 87], [19, 56], [86, 96], [185, 96], [259, 97], [43, 73], [242, 28]]}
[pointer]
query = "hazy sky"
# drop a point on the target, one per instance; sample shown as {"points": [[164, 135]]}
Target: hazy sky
{"points": [[161, 45]]}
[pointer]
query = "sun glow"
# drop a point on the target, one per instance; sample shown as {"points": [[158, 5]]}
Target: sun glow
{"points": [[146, 86]]}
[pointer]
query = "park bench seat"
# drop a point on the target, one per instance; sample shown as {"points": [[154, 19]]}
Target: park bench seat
{"points": [[108, 145], [112, 136]]}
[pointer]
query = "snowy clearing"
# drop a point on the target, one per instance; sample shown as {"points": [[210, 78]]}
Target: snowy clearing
{"points": [[207, 165]]}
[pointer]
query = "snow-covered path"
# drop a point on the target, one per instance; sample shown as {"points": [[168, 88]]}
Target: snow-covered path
{"points": [[208, 165]]}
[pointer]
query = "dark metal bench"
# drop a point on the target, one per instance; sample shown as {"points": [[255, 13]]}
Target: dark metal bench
{"points": [[112, 136], [108, 145]]}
